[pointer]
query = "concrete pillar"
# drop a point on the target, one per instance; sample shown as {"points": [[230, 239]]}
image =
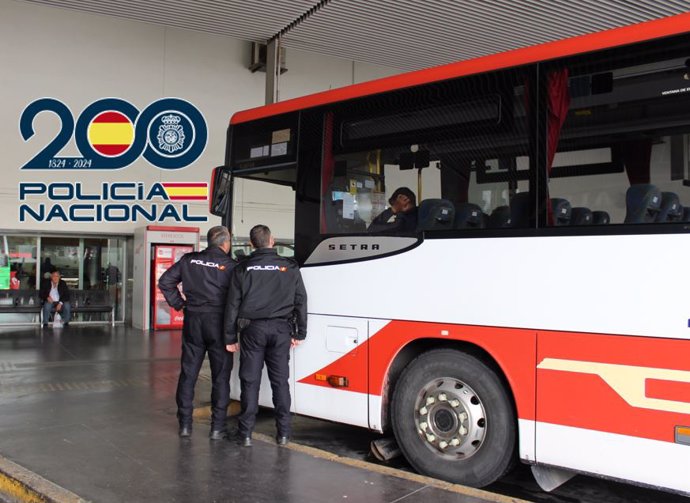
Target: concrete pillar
{"points": [[272, 70]]}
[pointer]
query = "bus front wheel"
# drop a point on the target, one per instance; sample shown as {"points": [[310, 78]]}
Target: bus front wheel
{"points": [[453, 418]]}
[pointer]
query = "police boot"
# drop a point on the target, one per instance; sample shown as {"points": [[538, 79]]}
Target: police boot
{"points": [[244, 441], [217, 435]]}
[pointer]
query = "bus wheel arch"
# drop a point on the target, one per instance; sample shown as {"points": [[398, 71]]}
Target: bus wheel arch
{"points": [[453, 414], [418, 346]]}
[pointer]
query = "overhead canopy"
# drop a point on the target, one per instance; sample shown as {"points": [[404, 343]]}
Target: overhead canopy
{"points": [[404, 34]]}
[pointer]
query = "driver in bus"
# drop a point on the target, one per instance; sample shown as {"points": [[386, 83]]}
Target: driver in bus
{"points": [[400, 217]]}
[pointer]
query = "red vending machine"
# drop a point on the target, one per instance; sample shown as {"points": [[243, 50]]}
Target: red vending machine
{"points": [[163, 256]]}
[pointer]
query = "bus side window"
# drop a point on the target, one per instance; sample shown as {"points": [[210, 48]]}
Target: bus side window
{"points": [[487, 193], [609, 164]]}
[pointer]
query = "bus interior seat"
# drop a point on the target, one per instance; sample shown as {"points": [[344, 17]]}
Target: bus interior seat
{"points": [[469, 216], [601, 218], [520, 209], [500, 217], [581, 216], [670, 209], [561, 211], [686, 214], [435, 214], [642, 203]]}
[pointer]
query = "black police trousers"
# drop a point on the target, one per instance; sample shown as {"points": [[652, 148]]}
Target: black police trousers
{"points": [[203, 332], [265, 341]]}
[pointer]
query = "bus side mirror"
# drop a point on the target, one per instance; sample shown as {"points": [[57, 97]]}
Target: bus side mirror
{"points": [[221, 186]]}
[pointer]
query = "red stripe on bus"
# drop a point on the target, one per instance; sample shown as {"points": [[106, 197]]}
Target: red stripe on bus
{"points": [[614, 37], [580, 399], [662, 389], [585, 400], [617, 349]]}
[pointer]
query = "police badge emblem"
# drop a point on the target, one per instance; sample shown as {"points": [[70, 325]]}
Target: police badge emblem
{"points": [[171, 135]]}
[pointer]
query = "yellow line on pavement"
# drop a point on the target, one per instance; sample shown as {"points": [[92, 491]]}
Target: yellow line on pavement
{"points": [[17, 491], [25, 486]]}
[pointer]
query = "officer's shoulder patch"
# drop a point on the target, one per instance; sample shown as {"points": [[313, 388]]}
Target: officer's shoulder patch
{"points": [[291, 261]]}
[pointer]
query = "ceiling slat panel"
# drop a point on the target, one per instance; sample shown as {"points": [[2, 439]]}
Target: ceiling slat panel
{"points": [[244, 19], [405, 34]]}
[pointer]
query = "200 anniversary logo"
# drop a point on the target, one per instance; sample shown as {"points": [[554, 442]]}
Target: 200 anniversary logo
{"points": [[111, 133]]}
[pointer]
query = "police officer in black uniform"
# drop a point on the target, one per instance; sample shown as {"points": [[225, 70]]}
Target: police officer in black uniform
{"points": [[205, 277], [267, 302]]}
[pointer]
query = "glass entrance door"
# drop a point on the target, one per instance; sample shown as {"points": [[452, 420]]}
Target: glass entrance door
{"points": [[61, 253]]}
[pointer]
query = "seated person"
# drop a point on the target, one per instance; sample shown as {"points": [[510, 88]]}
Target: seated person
{"points": [[55, 294], [403, 211]]}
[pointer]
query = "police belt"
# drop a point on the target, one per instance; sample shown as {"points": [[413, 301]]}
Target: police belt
{"points": [[243, 323]]}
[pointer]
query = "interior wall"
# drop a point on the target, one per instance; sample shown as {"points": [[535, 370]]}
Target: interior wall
{"points": [[79, 58]]}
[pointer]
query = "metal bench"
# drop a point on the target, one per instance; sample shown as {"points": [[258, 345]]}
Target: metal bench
{"points": [[92, 301], [82, 301], [20, 302]]}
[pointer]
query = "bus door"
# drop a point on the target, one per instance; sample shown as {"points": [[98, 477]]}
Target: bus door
{"points": [[331, 374]]}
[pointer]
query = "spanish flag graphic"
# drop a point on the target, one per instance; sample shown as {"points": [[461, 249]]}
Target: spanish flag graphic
{"points": [[111, 133], [186, 191]]}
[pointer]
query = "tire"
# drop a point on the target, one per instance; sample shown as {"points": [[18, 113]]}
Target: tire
{"points": [[453, 418]]}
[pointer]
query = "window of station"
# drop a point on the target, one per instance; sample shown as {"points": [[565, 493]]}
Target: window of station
{"points": [[456, 165], [86, 264], [63, 254], [620, 137]]}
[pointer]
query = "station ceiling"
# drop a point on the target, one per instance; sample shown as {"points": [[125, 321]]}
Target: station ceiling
{"points": [[404, 34]]}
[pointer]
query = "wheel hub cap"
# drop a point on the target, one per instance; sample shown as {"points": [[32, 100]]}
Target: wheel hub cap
{"points": [[450, 418], [444, 420]]}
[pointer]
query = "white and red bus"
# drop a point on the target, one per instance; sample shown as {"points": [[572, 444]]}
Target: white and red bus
{"points": [[540, 309]]}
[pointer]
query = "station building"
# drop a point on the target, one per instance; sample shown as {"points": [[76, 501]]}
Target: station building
{"points": [[82, 218]]}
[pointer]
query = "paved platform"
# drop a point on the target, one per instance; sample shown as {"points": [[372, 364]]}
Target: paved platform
{"points": [[92, 410]]}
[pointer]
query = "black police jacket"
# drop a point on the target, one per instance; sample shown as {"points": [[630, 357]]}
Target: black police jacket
{"points": [[404, 222], [205, 278], [265, 286]]}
